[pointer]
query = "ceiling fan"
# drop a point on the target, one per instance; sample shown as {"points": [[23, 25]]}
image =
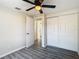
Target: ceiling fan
{"points": [[38, 5]]}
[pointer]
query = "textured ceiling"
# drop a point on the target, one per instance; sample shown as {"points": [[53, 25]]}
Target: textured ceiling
{"points": [[61, 5]]}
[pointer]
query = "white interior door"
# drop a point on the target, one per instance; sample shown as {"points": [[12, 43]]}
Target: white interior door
{"points": [[29, 31], [52, 31]]}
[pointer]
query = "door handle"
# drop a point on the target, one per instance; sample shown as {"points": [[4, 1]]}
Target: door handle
{"points": [[28, 33], [40, 36]]}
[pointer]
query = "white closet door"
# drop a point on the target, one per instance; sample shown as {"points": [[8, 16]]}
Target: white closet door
{"points": [[68, 32], [52, 31]]}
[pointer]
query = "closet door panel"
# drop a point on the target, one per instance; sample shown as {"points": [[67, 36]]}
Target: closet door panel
{"points": [[67, 32], [52, 31]]}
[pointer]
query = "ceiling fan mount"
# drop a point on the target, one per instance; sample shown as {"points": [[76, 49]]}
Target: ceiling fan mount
{"points": [[38, 5]]}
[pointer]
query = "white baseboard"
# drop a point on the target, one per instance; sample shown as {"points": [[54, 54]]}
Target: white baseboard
{"points": [[11, 52]]}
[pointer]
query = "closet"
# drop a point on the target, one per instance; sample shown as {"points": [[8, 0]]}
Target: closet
{"points": [[62, 31]]}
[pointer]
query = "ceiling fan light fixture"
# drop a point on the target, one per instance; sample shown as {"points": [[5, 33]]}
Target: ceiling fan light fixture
{"points": [[38, 5], [38, 8]]}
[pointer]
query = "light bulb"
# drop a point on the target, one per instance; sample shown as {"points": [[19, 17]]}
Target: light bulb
{"points": [[38, 8]]}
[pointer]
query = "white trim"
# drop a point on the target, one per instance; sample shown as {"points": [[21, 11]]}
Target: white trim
{"points": [[11, 52]]}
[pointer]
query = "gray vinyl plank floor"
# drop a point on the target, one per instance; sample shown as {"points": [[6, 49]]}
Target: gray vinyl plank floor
{"points": [[42, 53]]}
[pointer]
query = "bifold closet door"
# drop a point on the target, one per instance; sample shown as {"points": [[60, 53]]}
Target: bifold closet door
{"points": [[68, 32], [52, 32], [62, 32]]}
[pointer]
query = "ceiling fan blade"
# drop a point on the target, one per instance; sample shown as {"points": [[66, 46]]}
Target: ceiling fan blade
{"points": [[49, 6], [41, 1], [41, 12], [30, 8], [29, 2], [38, 2]]}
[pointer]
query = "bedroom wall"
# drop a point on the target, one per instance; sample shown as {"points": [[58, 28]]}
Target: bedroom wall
{"points": [[12, 31]]}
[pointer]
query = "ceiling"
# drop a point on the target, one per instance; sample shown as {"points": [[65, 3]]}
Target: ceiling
{"points": [[61, 5]]}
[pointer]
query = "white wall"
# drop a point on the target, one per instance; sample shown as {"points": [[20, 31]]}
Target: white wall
{"points": [[29, 31], [12, 31]]}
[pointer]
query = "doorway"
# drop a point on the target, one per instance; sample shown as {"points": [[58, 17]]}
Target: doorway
{"points": [[38, 33]]}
